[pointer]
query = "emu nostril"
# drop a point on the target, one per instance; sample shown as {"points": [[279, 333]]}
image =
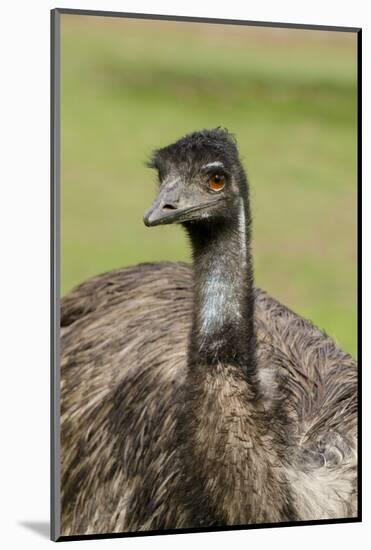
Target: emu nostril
{"points": [[169, 207]]}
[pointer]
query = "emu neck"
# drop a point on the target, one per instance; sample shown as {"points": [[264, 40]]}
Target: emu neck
{"points": [[223, 304], [224, 427]]}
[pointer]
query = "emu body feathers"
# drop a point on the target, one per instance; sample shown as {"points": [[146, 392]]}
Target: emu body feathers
{"points": [[123, 378]]}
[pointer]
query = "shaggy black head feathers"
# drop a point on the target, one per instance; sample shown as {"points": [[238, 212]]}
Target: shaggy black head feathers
{"points": [[202, 146]]}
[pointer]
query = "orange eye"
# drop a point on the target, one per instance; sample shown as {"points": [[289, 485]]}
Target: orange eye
{"points": [[216, 182]]}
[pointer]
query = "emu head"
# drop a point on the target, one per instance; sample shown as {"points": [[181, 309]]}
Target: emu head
{"points": [[200, 180]]}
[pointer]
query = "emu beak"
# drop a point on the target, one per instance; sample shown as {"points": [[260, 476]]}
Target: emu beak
{"points": [[166, 207], [175, 204]]}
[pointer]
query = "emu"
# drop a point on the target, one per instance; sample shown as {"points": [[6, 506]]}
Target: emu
{"points": [[189, 398]]}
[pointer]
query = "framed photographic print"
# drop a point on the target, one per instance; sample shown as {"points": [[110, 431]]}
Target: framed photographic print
{"points": [[205, 182]]}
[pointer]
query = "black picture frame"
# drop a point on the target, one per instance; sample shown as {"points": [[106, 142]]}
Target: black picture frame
{"points": [[55, 264]]}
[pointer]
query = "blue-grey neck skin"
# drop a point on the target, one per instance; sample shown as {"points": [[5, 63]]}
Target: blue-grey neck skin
{"points": [[222, 329]]}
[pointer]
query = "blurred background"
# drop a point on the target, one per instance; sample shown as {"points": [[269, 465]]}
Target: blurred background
{"points": [[289, 96]]}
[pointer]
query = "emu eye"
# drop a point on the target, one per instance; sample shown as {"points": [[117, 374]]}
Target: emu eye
{"points": [[216, 182]]}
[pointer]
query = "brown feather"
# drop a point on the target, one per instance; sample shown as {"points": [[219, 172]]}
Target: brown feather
{"points": [[124, 339]]}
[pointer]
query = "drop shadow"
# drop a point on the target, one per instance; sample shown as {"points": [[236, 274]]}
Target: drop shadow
{"points": [[41, 528]]}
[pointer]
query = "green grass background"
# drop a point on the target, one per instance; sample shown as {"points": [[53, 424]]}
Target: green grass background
{"points": [[289, 96]]}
